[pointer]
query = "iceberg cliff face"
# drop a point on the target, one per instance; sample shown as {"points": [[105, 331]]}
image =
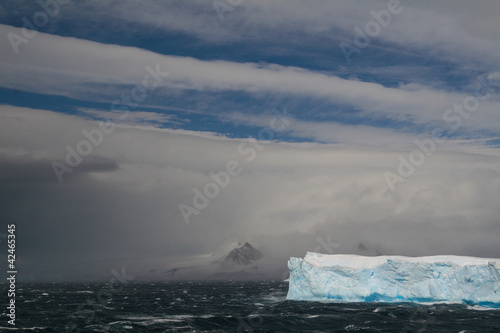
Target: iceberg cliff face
{"points": [[353, 278]]}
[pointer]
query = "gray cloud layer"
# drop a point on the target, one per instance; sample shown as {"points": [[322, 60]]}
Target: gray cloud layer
{"points": [[122, 201]]}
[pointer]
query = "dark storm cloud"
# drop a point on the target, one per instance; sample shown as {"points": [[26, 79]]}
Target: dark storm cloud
{"points": [[25, 169], [122, 208]]}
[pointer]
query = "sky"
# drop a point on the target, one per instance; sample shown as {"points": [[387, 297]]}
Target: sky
{"points": [[156, 131]]}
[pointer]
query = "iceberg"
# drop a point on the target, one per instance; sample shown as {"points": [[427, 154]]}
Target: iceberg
{"points": [[354, 278]]}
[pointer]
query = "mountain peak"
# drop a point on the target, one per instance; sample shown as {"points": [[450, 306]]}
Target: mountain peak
{"points": [[243, 255]]}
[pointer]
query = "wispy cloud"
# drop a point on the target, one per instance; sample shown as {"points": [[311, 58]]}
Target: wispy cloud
{"points": [[87, 69]]}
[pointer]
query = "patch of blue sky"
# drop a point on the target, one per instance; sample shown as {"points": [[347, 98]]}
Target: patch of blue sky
{"points": [[214, 111], [383, 63], [386, 64], [493, 143], [186, 120]]}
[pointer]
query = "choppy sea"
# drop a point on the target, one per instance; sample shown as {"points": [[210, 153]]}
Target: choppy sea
{"points": [[221, 307]]}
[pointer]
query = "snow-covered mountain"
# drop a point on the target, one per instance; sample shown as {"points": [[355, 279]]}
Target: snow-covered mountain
{"points": [[231, 261], [244, 255], [244, 262]]}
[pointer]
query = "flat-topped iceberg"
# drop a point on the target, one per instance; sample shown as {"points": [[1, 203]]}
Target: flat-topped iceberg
{"points": [[353, 278]]}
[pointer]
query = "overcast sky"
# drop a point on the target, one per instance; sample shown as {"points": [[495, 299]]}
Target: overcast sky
{"points": [[155, 131]]}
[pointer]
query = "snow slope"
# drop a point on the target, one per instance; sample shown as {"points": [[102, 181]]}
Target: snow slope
{"points": [[354, 278]]}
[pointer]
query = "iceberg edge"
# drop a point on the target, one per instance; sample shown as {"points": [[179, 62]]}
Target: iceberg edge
{"points": [[431, 279]]}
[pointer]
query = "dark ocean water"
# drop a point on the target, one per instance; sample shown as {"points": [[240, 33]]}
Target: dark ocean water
{"points": [[221, 307]]}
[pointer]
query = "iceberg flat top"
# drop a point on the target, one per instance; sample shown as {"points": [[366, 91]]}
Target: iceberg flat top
{"points": [[354, 278], [359, 262]]}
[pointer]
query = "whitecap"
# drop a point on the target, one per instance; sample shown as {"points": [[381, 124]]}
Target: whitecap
{"points": [[481, 308], [121, 322], [207, 316], [24, 328]]}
